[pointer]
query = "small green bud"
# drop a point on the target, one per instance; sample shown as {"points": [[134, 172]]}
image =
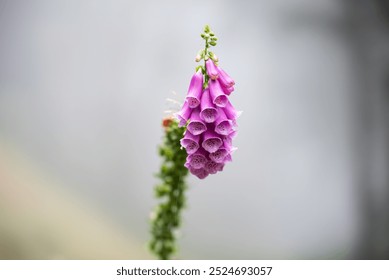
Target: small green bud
{"points": [[202, 35], [213, 57], [212, 43], [207, 29], [211, 34], [214, 38]]}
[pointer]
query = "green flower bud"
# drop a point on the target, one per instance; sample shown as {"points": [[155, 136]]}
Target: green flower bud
{"points": [[212, 43], [207, 29]]}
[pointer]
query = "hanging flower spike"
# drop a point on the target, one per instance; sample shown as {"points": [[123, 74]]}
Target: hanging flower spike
{"points": [[209, 115]]}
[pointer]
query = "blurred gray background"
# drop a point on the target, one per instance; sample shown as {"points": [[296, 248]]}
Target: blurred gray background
{"points": [[83, 87]]}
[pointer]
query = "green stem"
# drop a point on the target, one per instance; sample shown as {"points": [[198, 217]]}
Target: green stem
{"points": [[206, 55], [167, 216]]}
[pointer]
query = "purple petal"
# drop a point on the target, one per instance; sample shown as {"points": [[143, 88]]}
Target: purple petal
{"points": [[197, 160], [212, 167], [228, 90], [183, 115], [195, 90], [220, 167], [223, 125], [231, 112], [196, 126], [211, 69], [208, 111], [217, 95], [224, 78], [211, 141], [201, 173], [228, 158], [227, 140], [190, 142], [219, 155]]}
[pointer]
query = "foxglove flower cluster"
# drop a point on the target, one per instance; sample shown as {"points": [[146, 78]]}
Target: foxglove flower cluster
{"points": [[209, 117]]}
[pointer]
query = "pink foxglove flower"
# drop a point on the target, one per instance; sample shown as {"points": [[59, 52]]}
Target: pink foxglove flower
{"points": [[211, 69], [210, 117], [195, 90], [224, 79], [190, 142], [208, 112], [198, 159], [196, 125], [184, 114], [223, 125], [211, 141], [219, 98]]}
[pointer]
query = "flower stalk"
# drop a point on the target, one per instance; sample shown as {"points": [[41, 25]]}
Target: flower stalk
{"points": [[166, 218], [198, 140]]}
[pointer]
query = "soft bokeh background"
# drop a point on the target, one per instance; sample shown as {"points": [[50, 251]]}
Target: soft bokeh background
{"points": [[83, 87]]}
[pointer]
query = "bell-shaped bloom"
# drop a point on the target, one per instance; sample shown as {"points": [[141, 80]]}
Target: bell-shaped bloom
{"points": [[196, 125], [211, 69], [213, 167], [219, 98], [219, 155], [227, 140], [223, 125], [208, 109], [201, 173], [184, 114], [231, 112], [190, 142], [224, 79], [195, 90], [198, 159], [211, 141]]}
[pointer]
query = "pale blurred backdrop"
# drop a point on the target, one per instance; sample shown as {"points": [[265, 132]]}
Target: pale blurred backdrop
{"points": [[83, 87]]}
